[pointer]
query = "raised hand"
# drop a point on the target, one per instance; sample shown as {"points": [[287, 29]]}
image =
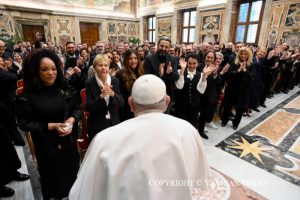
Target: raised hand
{"points": [[169, 68], [271, 54], [161, 69], [225, 69], [208, 70], [182, 63]]}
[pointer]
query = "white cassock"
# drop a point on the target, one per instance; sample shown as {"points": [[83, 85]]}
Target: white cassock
{"points": [[129, 161]]}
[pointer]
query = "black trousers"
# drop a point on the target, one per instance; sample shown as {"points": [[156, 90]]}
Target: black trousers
{"points": [[207, 111], [188, 113], [9, 160], [238, 113]]}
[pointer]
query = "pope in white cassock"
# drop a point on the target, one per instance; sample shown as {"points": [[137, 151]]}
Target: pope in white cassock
{"points": [[152, 156]]}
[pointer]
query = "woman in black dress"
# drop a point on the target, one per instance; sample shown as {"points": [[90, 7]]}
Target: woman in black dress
{"points": [[50, 113], [237, 92], [132, 70]]}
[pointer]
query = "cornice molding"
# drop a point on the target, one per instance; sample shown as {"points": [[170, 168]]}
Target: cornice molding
{"points": [[68, 11]]}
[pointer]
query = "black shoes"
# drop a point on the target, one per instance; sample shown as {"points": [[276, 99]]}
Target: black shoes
{"points": [[21, 177], [203, 135], [255, 109], [263, 105], [223, 124], [235, 127], [6, 191]]}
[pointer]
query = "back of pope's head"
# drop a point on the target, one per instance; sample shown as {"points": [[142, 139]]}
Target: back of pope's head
{"points": [[149, 93]]}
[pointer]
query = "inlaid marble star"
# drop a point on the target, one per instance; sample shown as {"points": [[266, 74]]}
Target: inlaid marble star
{"points": [[249, 148]]}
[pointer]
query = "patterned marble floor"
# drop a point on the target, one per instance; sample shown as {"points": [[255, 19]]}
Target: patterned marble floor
{"points": [[263, 153], [261, 160], [273, 143]]}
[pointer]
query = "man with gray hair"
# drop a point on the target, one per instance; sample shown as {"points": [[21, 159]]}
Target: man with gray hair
{"points": [[130, 160]]}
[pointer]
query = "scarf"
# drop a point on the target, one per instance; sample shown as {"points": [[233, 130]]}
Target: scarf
{"points": [[101, 85]]}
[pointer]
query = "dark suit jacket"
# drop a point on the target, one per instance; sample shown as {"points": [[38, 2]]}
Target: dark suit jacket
{"points": [[8, 86], [98, 109], [151, 66]]}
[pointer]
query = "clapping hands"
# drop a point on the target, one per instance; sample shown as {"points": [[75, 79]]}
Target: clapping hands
{"points": [[169, 68], [107, 90], [243, 66], [161, 69], [225, 69], [209, 70]]}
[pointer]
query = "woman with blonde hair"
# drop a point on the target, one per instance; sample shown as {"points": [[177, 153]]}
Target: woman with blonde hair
{"points": [[103, 97], [132, 70], [237, 92]]}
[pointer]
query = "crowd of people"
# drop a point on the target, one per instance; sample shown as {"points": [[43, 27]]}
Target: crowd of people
{"points": [[232, 80]]}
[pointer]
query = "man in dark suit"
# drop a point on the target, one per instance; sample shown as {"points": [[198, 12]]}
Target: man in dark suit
{"points": [[162, 64], [8, 83], [9, 160]]}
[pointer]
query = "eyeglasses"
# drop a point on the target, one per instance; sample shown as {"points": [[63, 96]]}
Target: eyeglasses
{"points": [[2, 47]]}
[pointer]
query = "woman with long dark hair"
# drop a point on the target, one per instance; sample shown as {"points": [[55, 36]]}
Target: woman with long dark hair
{"points": [[50, 113], [131, 70]]}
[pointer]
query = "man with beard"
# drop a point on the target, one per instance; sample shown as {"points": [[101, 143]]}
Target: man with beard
{"points": [[152, 48], [99, 49], [70, 54], [217, 47], [162, 64], [227, 52]]}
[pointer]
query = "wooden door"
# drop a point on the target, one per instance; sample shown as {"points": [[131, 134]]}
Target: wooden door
{"points": [[89, 33], [32, 32]]}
